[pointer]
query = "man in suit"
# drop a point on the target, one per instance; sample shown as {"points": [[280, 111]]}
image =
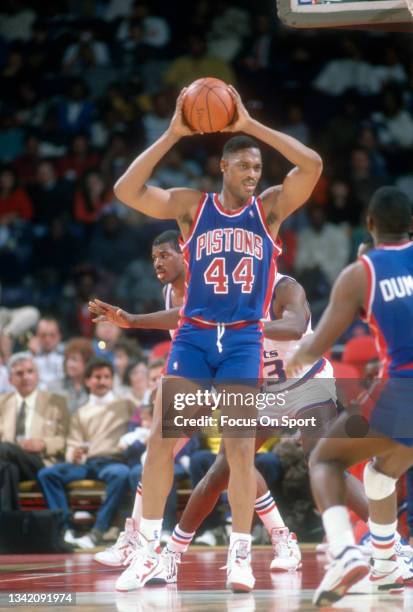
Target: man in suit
{"points": [[32, 429], [93, 451]]}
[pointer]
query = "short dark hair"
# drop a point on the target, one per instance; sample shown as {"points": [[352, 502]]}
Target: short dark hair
{"points": [[170, 237], [390, 210], [236, 143], [131, 366], [96, 363]]}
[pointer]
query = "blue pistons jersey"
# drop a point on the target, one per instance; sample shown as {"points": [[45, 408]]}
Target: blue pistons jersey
{"points": [[231, 263], [389, 305]]}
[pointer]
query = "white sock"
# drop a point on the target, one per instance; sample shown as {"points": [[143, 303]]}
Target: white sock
{"points": [[338, 529], [236, 537], [382, 539], [151, 530], [267, 510], [137, 506], [179, 540]]}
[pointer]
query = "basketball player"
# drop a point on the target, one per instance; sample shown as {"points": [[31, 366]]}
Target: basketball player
{"points": [[289, 319], [230, 249], [380, 287]]}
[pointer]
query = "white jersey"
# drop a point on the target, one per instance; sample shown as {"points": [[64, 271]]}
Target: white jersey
{"points": [[168, 302], [275, 353]]}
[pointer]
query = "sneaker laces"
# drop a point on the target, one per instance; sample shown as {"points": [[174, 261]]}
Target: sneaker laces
{"points": [[281, 543], [138, 551], [172, 559]]}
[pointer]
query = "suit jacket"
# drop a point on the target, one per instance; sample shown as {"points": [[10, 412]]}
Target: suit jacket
{"points": [[50, 421], [99, 426]]}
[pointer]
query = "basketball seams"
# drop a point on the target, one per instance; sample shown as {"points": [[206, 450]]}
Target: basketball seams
{"points": [[222, 102], [207, 108], [201, 87]]}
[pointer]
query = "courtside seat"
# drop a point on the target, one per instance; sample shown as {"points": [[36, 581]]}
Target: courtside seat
{"points": [[30, 496], [358, 351]]}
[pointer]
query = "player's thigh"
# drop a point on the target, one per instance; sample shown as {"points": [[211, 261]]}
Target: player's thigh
{"points": [[395, 462], [317, 420], [340, 444]]}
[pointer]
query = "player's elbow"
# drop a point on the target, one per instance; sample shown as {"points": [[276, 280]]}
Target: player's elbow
{"points": [[316, 163], [124, 193]]}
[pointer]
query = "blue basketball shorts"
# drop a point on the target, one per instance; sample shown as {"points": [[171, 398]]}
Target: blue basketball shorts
{"points": [[392, 409], [217, 354]]}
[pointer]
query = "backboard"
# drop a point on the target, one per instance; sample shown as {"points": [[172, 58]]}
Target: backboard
{"points": [[364, 14]]}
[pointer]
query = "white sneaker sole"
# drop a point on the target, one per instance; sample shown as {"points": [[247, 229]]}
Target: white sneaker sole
{"points": [[326, 598], [107, 563], [279, 568]]}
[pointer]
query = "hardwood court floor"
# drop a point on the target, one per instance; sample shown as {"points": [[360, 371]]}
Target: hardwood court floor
{"points": [[201, 586]]}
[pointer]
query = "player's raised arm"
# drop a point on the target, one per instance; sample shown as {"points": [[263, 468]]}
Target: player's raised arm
{"points": [[346, 301], [291, 310], [297, 187], [163, 319], [131, 187]]}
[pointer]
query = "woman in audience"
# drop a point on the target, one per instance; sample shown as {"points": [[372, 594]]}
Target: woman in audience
{"points": [[78, 352]]}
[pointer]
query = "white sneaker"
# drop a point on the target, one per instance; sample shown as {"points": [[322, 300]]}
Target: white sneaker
{"points": [[240, 578], [85, 542], [69, 538], [346, 569], [171, 560], [385, 577], [145, 566], [116, 555], [406, 569], [208, 538], [402, 550], [287, 554]]}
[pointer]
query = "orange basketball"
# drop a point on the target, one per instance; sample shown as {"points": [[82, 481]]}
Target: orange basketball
{"points": [[208, 106]]}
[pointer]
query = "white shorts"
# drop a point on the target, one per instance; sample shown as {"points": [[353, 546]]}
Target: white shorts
{"points": [[303, 394]]}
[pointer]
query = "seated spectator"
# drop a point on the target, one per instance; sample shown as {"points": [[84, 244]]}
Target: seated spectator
{"points": [[157, 119], [135, 387], [197, 63], [75, 110], [155, 370], [26, 164], [91, 197], [106, 336], [47, 349], [32, 429], [322, 245], [94, 433], [393, 122], [78, 160], [78, 352], [51, 196], [14, 201], [113, 244], [127, 352], [84, 54]]}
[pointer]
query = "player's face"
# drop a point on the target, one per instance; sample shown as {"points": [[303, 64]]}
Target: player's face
{"points": [[167, 262], [242, 171], [100, 382]]}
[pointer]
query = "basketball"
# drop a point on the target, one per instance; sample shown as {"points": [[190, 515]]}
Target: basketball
{"points": [[208, 105]]}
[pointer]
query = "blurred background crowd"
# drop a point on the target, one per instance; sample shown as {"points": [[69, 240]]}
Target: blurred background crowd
{"points": [[87, 84]]}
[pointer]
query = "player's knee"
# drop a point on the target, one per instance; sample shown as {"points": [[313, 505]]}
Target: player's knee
{"points": [[377, 485]]}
